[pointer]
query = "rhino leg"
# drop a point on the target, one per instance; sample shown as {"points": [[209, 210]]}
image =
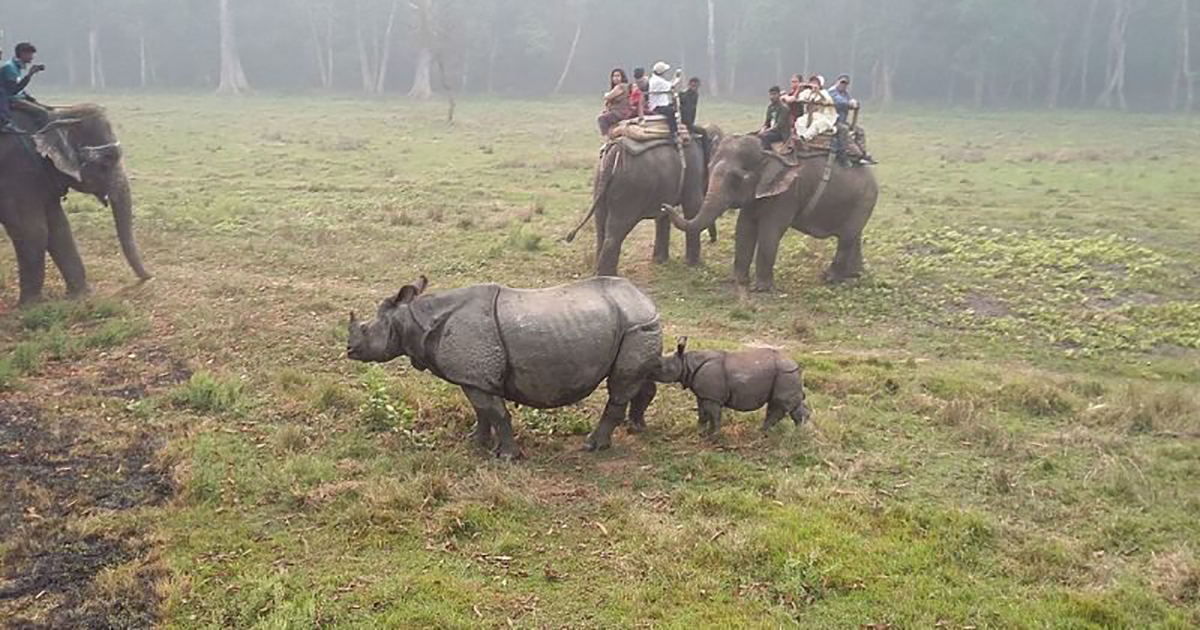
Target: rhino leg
{"points": [[637, 361], [775, 413], [600, 439], [710, 418], [483, 431], [637, 408], [490, 409]]}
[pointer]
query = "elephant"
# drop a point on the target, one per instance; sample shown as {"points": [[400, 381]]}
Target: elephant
{"points": [[635, 181], [75, 149], [542, 348], [774, 193]]}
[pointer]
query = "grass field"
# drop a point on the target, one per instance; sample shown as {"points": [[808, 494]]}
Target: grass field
{"points": [[1006, 407]]}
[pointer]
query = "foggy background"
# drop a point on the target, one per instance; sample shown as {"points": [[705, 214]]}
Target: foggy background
{"points": [[1134, 54]]}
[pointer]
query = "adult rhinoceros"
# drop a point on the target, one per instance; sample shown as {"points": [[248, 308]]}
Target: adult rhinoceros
{"points": [[541, 348]]}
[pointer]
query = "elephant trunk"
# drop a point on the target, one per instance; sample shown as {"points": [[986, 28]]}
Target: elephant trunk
{"points": [[714, 206], [121, 201]]}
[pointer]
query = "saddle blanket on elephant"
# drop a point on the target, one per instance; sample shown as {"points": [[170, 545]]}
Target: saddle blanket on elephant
{"points": [[629, 146], [646, 129]]}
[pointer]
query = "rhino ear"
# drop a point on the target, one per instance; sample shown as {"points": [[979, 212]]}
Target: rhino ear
{"points": [[681, 346], [411, 291]]}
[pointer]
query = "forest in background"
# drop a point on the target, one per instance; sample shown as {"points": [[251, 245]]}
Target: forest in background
{"points": [[1118, 54]]}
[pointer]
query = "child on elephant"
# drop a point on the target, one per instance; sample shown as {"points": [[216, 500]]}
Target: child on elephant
{"points": [[743, 381]]}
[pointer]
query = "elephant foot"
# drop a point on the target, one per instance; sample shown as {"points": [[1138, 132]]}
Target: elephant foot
{"points": [[593, 444], [508, 452], [28, 302], [78, 293], [836, 277], [761, 286], [693, 262], [660, 259], [635, 426]]}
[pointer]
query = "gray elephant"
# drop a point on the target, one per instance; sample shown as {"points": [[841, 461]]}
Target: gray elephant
{"points": [[744, 381], [634, 181], [542, 348], [77, 151], [775, 193]]}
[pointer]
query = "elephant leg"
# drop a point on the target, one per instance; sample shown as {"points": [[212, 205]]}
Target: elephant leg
{"points": [[639, 405], [745, 242], [601, 220], [710, 418], [61, 243], [610, 251], [491, 408], [662, 240], [712, 233], [847, 262], [29, 236], [770, 233], [692, 256]]}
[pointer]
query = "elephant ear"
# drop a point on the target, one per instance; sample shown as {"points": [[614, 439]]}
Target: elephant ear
{"points": [[776, 178], [54, 144]]}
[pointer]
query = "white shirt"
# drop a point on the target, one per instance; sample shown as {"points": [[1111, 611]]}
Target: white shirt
{"points": [[660, 93]]}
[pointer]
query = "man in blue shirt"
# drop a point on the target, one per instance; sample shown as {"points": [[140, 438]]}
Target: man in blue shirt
{"points": [[14, 77], [843, 103]]}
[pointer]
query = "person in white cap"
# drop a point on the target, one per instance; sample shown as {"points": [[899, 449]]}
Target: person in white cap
{"points": [[660, 99], [821, 117]]}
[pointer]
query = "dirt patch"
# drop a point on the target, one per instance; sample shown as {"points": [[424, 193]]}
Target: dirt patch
{"points": [[986, 306], [51, 472]]}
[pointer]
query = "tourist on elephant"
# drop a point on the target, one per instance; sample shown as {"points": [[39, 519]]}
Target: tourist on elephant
{"points": [[689, 101], [19, 70], [842, 103], [659, 99], [779, 120], [821, 115], [637, 95], [617, 105], [792, 98]]}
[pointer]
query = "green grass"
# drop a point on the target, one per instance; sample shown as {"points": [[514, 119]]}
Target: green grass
{"points": [[1006, 427]]}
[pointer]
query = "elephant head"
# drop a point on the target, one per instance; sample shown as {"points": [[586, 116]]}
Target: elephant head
{"points": [[742, 172], [80, 143], [379, 340]]}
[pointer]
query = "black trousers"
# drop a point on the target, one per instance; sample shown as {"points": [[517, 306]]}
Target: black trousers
{"points": [[771, 136], [669, 112], [5, 108]]}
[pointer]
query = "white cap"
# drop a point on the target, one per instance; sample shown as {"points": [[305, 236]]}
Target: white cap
{"points": [[662, 67]]}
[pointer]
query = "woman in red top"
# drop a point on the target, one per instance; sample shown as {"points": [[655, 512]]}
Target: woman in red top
{"points": [[618, 102]]}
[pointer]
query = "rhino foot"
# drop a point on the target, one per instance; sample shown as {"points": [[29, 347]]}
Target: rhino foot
{"points": [[593, 446], [509, 453]]}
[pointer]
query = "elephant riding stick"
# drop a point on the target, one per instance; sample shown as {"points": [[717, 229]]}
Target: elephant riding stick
{"points": [[77, 150], [773, 196], [543, 348], [743, 381]]}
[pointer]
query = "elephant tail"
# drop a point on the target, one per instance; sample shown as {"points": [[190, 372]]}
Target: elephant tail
{"points": [[603, 176]]}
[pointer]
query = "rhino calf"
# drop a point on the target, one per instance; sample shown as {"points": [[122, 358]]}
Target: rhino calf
{"points": [[542, 348], [743, 381]]}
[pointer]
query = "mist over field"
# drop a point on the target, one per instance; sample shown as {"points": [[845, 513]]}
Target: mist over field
{"points": [[980, 53], [1005, 426]]}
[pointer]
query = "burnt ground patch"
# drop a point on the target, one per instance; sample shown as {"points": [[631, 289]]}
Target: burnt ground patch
{"points": [[52, 471]]}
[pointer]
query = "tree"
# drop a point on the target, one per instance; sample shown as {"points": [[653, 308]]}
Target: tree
{"points": [[713, 82], [233, 78]]}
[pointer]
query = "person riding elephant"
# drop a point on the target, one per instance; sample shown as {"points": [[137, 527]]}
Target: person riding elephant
{"points": [[78, 151], [774, 194], [631, 185]]}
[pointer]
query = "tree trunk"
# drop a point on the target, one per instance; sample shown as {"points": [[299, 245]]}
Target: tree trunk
{"points": [[1189, 76], [143, 66], [95, 60], [807, 57], [319, 48], [562, 78], [421, 88], [980, 80], [1114, 82], [1182, 76], [713, 83], [381, 80], [1085, 52], [1054, 81], [366, 70], [233, 79], [493, 49], [72, 65]]}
